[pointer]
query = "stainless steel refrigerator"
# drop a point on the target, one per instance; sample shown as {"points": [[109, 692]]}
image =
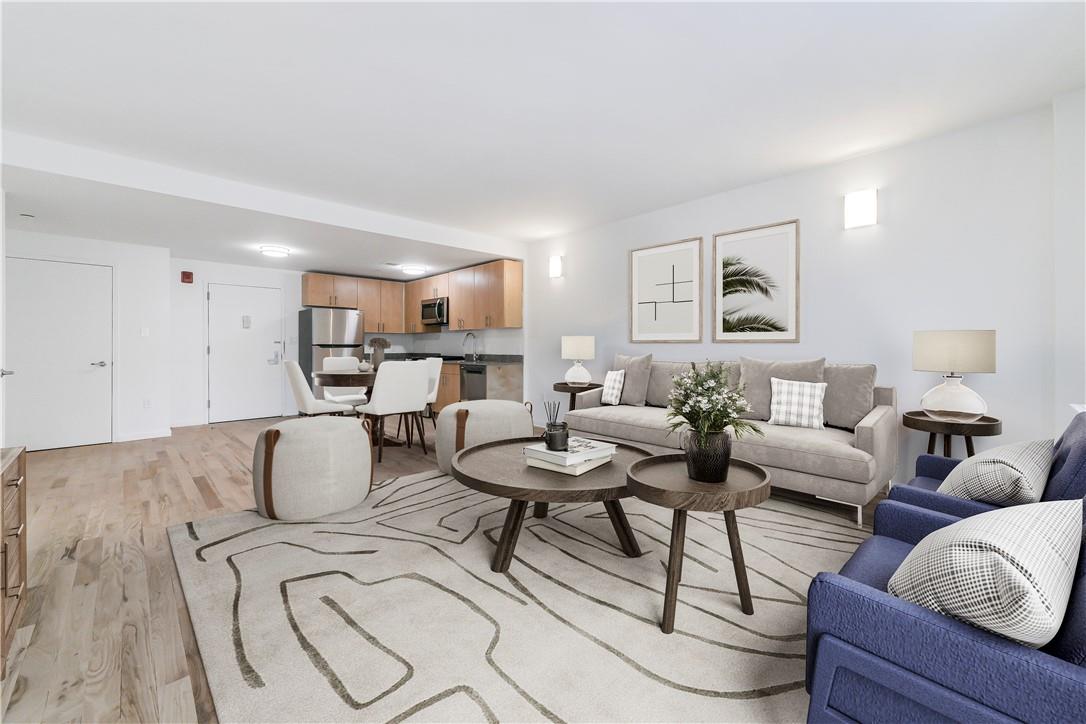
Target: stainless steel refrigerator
{"points": [[324, 332]]}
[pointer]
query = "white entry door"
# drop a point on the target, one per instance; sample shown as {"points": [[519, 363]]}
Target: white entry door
{"points": [[244, 361], [59, 343]]}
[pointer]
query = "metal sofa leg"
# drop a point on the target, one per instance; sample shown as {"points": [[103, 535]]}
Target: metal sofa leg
{"points": [[859, 509]]}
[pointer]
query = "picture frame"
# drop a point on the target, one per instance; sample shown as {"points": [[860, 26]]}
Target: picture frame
{"points": [[756, 298], [665, 292]]}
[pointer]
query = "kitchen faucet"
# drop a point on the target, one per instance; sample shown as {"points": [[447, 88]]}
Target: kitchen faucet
{"points": [[474, 346]]}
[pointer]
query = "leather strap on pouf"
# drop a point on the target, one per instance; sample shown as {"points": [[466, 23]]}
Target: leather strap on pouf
{"points": [[271, 436], [461, 428]]}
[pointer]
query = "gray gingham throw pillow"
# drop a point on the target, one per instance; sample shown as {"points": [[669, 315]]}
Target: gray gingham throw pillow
{"points": [[1007, 475], [1008, 571], [796, 404], [612, 387]]}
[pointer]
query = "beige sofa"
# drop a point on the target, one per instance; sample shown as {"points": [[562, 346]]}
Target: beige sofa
{"points": [[847, 466]]}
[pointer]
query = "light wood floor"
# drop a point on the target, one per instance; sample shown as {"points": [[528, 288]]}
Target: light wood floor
{"points": [[105, 634]]}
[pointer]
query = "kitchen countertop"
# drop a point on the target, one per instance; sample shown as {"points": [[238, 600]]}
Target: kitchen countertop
{"points": [[484, 359]]}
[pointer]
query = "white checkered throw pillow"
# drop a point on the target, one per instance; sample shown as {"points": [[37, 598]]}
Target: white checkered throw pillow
{"points": [[612, 387], [1008, 571], [1007, 475], [796, 404]]}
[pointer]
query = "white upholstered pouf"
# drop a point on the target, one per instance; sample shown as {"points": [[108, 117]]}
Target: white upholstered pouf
{"points": [[487, 420], [313, 466]]}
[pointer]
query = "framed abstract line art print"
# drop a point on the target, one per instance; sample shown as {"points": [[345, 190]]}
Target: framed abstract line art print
{"points": [[756, 275], [665, 292]]}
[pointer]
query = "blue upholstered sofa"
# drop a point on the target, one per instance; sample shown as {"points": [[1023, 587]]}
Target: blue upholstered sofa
{"points": [[874, 657], [1066, 480]]}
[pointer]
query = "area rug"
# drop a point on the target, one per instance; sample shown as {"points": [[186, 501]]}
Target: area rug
{"points": [[390, 612]]}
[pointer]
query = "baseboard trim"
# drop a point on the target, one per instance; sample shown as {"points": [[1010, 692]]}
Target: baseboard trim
{"points": [[129, 437]]}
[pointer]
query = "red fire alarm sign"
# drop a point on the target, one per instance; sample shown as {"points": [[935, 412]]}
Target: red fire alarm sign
{"points": [[186, 277]]}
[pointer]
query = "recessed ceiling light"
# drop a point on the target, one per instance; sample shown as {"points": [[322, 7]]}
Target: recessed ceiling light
{"points": [[273, 250], [27, 216], [413, 269]]}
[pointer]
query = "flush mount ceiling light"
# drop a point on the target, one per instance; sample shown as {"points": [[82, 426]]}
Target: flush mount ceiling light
{"points": [[274, 250], [413, 269], [861, 208]]}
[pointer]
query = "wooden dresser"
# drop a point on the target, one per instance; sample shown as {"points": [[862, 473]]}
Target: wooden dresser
{"points": [[13, 529]]}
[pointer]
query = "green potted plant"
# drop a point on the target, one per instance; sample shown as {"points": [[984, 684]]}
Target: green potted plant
{"points": [[702, 401]]}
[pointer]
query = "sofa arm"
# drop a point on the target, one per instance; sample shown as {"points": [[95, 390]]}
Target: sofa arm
{"points": [[591, 398], [877, 435], [941, 502], [935, 466], [908, 523], [1007, 677]]}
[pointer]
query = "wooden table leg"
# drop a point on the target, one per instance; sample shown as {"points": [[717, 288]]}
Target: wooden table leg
{"points": [[738, 563], [674, 569], [572, 401], [946, 445], [510, 532], [969, 451], [931, 443], [622, 528], [540, 510]]}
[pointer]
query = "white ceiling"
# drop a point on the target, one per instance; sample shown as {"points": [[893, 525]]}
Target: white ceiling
{"points": [[199, 230], [522, 121]]}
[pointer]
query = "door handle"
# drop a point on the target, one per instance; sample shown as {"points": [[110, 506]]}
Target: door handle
{"points": [[5, 373], [99, 363]]}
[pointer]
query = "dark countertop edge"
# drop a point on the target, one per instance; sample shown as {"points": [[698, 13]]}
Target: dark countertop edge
{"points": [[483, 358]]}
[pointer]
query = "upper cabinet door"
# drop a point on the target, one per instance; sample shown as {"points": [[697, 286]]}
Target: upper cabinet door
{"points": [[436, 286], [484, 302], [462, 299], [508, 294], [345, 292], [317, 290], [369, 303], [392, 299]]}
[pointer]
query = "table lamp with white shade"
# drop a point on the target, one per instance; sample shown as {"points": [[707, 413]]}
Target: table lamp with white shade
{"points": [[953, 351], [578, 349]]}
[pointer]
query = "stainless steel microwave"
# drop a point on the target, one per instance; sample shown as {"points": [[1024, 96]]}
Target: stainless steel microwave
{"points": [[435, 311]]}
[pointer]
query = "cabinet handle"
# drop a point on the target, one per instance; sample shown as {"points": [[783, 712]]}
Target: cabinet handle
{"points": [[15, 483]]}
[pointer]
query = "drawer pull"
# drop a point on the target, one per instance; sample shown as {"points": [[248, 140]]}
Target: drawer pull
{"points": [[15, 483], [18, 531]]}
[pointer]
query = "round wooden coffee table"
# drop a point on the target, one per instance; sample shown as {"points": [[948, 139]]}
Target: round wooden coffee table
{"points": [[662, 480], [498, 468]]}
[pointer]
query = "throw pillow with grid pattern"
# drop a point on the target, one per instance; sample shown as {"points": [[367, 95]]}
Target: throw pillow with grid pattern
{"points": [[796, 404], [1007, 475], [1008, 571], [612, 387]]}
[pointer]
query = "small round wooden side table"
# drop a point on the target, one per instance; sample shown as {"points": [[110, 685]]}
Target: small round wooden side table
{"points": [[920, 420], [573, 391], [662, 480]]}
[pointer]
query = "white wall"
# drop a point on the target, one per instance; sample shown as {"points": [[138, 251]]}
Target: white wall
{"points": [[1069, 252], [188, 311], [963, 241], [141, 365]]}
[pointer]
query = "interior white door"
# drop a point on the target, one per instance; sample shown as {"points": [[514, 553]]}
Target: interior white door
{"points": [[244, 361], [59, 344]]}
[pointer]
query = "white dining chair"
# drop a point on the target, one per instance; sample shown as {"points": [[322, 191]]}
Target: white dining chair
{"points": [[399, 389], [434, 370], [346, 395], [303, 396]]}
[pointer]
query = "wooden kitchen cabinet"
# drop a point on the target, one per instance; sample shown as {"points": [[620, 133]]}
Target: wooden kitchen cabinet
{"points": [[435, 286], [448, 386], [318, 290], [345, 292], [499, 300], [462, 300], [413, 294], [369, 303], [13, 550], [392, 313]]}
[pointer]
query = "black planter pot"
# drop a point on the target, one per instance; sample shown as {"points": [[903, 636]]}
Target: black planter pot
{"points": [[708, 463]]}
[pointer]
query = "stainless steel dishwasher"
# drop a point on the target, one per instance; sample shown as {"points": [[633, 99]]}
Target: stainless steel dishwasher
{"points": [[472, 381]]}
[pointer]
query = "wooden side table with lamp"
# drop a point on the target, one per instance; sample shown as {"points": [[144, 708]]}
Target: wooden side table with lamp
{"points": [[578, 379]]}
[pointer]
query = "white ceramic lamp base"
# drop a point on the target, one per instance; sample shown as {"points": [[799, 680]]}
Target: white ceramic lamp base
{"points": [[577, 375], [953, 402]]}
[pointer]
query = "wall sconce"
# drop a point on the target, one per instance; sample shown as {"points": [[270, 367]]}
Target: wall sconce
{"points": [[861, 208], [556, 267]]}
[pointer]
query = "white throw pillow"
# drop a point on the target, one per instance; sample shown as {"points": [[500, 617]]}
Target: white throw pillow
{"points": [[1008, 571], [796, 404], [612, 387], [1006, 475]]}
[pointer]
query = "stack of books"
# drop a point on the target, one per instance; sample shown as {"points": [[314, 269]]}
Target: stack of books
{"points": [[581, 456]]}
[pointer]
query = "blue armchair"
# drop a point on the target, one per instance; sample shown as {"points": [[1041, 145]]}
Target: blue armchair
{"points": [[1066, 480], [872, 656]]}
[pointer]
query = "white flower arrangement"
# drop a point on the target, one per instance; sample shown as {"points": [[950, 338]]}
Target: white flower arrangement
{"points": [[702, 400]]}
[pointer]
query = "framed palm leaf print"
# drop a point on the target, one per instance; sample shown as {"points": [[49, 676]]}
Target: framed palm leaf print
{"points": [[756, 275], [665, 292]]}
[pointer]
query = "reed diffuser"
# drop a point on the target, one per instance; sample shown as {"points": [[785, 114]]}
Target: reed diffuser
{"points": [[556, 435]]}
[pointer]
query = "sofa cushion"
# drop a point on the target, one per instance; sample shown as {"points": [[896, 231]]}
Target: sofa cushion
{"points": [[1012, 474], [730, 367], [661, 375], [1067, 478], [850, 393], [754, 375], [1008, 571], [626, 422], [876, 560], [636, 383], [828, 452], [612, 387], [798, 404], [1070, 641]]}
